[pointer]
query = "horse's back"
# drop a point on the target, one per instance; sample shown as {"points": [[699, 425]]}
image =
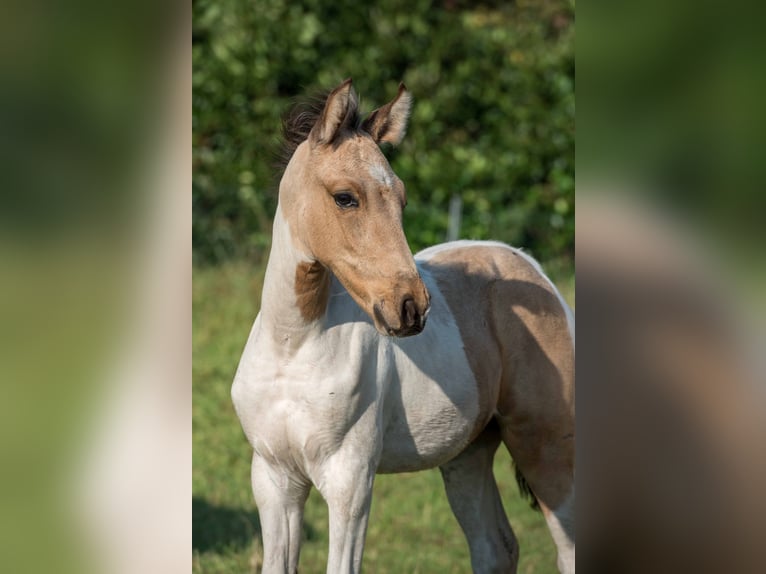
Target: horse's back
{"points": [[485, 264]]}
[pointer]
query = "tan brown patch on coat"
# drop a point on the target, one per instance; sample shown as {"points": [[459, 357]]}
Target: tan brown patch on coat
{"points": [[312, 290], [517, 342]]}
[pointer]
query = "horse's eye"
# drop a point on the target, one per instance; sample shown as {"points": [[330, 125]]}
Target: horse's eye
{"points": [[345, 200]]}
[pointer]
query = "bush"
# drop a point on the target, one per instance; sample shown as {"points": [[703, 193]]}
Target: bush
{"points": [[493, 120]]}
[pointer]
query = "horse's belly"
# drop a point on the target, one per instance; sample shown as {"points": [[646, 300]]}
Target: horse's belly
{"points": [[431, 409], [425, 442]]}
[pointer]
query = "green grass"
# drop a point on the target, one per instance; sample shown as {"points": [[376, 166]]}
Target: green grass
{"points": [[411, 529]]}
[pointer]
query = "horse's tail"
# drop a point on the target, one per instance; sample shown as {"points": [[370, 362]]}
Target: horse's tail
{"points": [[525, 490]]}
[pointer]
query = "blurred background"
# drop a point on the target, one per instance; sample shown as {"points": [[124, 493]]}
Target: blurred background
{"points": [[489, 153], [671, 384]]}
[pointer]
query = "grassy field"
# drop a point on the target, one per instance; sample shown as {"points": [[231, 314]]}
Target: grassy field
{"points": [[411, 527]]}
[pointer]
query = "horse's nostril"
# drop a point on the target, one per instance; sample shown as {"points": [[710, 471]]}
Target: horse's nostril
{"points": [[410, 313]]}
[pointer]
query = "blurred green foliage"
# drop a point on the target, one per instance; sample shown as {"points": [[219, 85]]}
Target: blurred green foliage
{"points": [[493, 120]]}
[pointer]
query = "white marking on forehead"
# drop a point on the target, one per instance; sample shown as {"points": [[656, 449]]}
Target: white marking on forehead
{"points": [[382, 173]]}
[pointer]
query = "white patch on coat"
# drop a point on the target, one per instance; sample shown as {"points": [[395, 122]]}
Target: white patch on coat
{"points": [[413, 408], [561, 525], [382, 174]]}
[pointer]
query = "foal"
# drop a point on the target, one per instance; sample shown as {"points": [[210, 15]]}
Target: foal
{"points": [[333, 387]]}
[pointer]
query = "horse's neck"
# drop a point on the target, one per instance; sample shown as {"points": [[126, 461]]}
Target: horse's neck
{"points": [[288, 293]]}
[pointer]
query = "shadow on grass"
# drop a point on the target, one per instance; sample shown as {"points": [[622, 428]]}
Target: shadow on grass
{"points": [[218, 528]]}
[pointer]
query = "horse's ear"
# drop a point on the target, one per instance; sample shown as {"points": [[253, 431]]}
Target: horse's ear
{"points": [[340, 104], [389, 123]]}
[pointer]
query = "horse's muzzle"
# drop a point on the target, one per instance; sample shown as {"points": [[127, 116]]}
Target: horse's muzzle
{"points": [[411, 318]]}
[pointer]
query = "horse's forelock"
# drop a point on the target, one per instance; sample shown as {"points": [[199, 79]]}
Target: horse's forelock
{"points": [[301, 118]]}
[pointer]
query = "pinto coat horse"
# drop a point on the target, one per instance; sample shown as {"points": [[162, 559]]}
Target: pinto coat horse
{"points": [[341, 378]]}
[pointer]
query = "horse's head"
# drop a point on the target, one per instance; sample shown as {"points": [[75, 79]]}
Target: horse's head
{"points": [[344, 206]]}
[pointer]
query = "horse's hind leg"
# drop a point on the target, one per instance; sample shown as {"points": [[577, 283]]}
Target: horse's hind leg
{"points": [[536, 407], [475, 500], [545, 459], [280, 501]]}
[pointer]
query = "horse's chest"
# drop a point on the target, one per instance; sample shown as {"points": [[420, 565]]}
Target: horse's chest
{"points": [[413, 400], [298, 412]]}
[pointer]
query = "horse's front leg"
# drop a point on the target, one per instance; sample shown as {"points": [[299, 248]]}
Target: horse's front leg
{"points": [[280, 498], [347, 488]]}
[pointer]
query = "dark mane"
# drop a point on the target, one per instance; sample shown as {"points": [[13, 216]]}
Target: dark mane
{"points": [[300, 119]]}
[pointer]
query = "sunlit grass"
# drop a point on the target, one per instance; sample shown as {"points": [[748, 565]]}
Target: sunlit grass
{"points": [[411, 529]]}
